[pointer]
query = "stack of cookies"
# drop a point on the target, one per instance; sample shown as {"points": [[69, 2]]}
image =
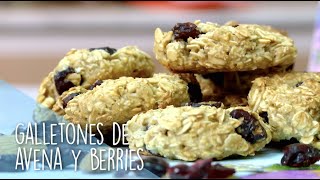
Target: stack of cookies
{"points": [[230, 91], [224, 59]]}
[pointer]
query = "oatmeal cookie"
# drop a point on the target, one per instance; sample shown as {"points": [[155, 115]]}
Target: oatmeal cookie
{"points": [[291, 103], [42, 113], [208, 47], [190, 133], [268, 28], [85, 66], [120, 99]]}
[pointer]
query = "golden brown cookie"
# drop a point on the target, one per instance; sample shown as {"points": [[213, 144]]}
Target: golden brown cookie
{"points": [[291, 103], [209, 47], [120, 99], [84, 67], [198, 132], [42, 113]]}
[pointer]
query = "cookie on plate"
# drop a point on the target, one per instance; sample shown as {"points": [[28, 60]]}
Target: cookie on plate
{"points": [[291, 103], [198, 132], [209, 47], [120, 99], [83, 67]]}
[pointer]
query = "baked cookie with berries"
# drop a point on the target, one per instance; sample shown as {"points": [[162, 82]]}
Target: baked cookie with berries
{"points": [[209, 47], [120, 99], [291, 103], [83, 67], [198, 132]]}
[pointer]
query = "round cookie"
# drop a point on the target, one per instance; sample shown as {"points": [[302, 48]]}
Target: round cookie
{"points": [[291, 103], [190, 133], [208, 47], [83, 67], [120, 99]]}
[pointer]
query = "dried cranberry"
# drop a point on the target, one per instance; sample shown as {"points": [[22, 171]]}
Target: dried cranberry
{"points": [[97, 83], [185, 30], [202, 165], [299, 84], [180, 171], [250, 129], [195, 93], [69, 98], [264, 115], [195, 174], [300, 155], [239, 113], [219, 171], [108, 49], [155, 165], [201, 169], [60, 81]]}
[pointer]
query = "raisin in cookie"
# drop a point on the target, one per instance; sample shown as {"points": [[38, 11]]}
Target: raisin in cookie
{"points": [[120, 99], [83, 67], [198, 132], [291, 102], [208, 47]]}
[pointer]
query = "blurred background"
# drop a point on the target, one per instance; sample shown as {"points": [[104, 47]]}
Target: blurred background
{"points": [[35, 35]]}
